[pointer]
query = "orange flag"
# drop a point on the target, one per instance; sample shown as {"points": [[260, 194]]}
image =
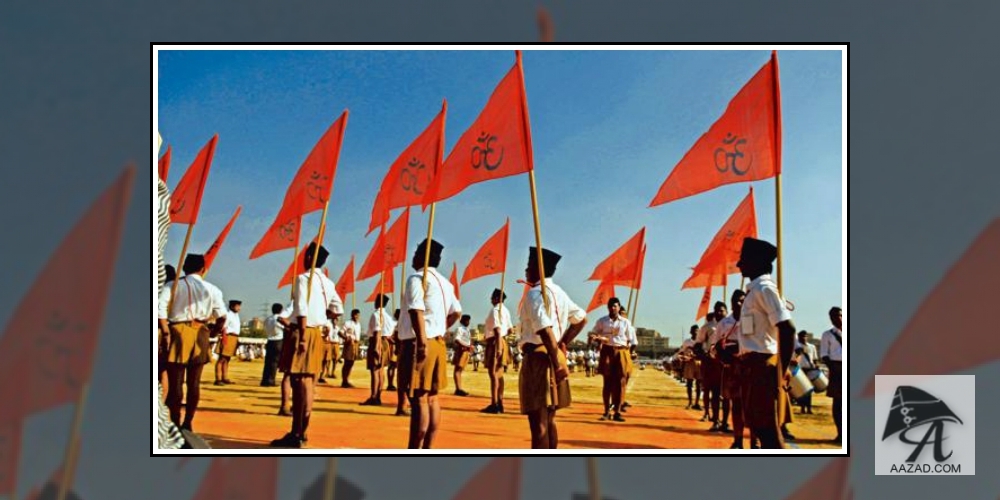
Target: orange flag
{"points": [[387, 278], [952, 306], [743, 145], [56, 326], [186, 198], [498, 144], [214, 249], [283, 233], [410, 176], [701, 280], [500, 479], [454, 279], [10, 451], [491, 257], [626, 257], [389, 249], [830, 483], [703, 305], [294, 269], [163, 166], [345, 284], [245, 478], [724, 250], [605, 290]]}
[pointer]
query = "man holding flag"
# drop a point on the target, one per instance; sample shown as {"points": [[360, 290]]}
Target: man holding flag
{"points": [[496, 327]]}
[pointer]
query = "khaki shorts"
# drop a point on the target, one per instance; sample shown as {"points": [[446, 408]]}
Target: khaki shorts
{"points": [[491, 353], [461, 357], [536, 382], [370, 361], [227, 349], [760, 391], [310, 360], [431, 374], [189, 343]]}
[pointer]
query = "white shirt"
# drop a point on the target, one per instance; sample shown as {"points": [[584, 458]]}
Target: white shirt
{"points": [[387, 323], [725, 326], [273, 328], [197, 300], [615, 331], [437, 303], [828, 345], [232, 322], [562, 313], [687, 346], [497, 318], [632, 338], [763, 309], [807, 360], [705, 333], [352, 330], [463, 336], [323, 297]]}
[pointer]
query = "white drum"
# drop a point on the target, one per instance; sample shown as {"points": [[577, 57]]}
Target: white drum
{"points": [[819, 380], [800, 385]]}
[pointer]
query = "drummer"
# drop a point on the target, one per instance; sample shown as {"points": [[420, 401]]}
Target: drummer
{"points": [[805, 355]]}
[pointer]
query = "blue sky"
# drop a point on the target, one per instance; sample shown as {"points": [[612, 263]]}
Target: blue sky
{"points": [[607, 128]]}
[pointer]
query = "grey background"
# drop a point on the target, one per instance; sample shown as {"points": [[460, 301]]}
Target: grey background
{"points": [[75, 101], [956, 391]]}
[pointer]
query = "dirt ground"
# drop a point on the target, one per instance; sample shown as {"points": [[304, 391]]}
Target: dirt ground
{"points": [[244, 415]]}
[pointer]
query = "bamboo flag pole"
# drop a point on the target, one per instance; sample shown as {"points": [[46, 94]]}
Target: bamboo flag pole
{"points": [[595, 487], [72, 449], [180, 266], [329, 488], [777, 166], [319, 243]]}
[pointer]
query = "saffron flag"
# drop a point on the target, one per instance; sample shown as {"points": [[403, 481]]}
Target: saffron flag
{"points": [[703, 279], [743, 145], [56, 326], [951, 306], [703, 305], [186, 198], [345, 284], [284, 233], [389, 249], [498, 144], [605, 290], [724, 250], [294, 269], [500, 479], [385, 279], [491, 257], [214, 249], [454, 279], [410, 176], [163, 166], [624, 258], [245, 478]]}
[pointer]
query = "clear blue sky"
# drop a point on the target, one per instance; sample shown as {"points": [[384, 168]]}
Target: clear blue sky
{"points": [[607, 128]]}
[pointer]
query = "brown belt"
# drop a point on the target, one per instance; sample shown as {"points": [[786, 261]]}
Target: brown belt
{"points": [[530, 348]]}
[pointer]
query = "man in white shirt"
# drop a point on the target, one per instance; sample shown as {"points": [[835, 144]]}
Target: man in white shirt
{"points": [[427, 313], [314, 301], [711, 368], [726, 339], [767, 340], [380, 326], [691, 368], [228, 342], [396, 377], [830, 345], [806, 358], [187, 318], [548, 324], [700, 350], [496, 327], [350, 336], [463, 351], [612, 332], [163, 342]]}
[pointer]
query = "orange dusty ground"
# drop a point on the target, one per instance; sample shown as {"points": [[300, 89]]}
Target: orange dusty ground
{"points": [[243, 415]]}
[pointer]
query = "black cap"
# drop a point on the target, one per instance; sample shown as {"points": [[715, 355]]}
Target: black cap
{"points": [[235, 303], [169, 272], [436, 249], [381, 300], [497, 293], [549, 258], [193, 263], [756, 251], [311, 250]]}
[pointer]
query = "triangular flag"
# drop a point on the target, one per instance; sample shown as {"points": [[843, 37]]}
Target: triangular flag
{"points": [[185, 201], [389, 249], [546, 29], [952, 306], [500, 479], [625, 257], [294, 269], [283, 233], [703, 305], [163, 165], [743, 145], [605, 290], [491, 257], [387, 277], [217, 244], [345, 284], [498, 144], [454, 279]]}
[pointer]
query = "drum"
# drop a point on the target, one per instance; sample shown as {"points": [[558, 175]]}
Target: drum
{"points": [[800, 385], [819, 380]]}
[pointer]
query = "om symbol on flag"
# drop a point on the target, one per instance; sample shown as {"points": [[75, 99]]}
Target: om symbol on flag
{"points": [[60, 351], [481, 155], [314, 188], [287, 230], [176, 208], [410, 179], [488, 261], [726, 160], [390, 253]]}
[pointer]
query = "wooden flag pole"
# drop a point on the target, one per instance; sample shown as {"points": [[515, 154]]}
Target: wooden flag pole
{"points": [[72, 449], [319, 243], [295, 259], [329, 487], [628, 307], [595, 487], [427, 250], [777, 169], [777, 193], [180, 266]]}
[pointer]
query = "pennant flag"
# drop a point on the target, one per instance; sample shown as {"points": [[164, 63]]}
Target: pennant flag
{"points": [[500, 479], [56, 326], [410, 176], [605, 290], [701, 280], [10, 451], [625, 257], [950, 307], [163, 166], [345, 284], [498, 144], [214, 249], [186, 198], [703, 305], [387, 278], [294, 269], [284, 233], [389, 249], [491, 257], [830, 483], [743, 145], [245, 478], [724, 250], [343, 489], [454, 279]]}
